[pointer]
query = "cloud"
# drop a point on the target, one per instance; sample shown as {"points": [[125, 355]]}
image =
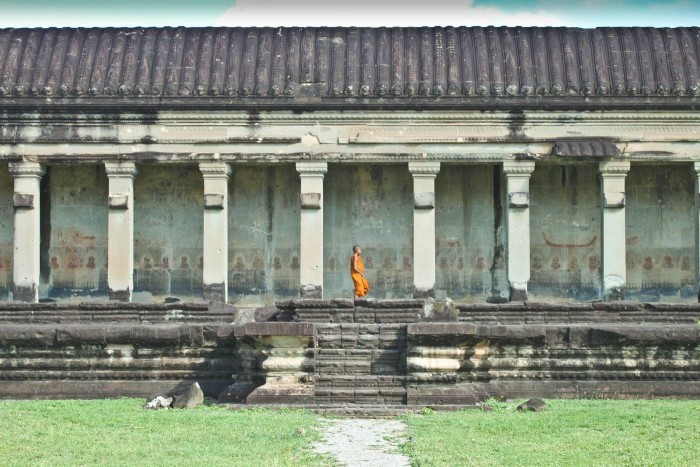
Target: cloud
{"points": [[376, 13]]}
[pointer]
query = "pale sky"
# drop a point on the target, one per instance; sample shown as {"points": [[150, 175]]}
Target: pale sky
{"points": [[581, 13]]}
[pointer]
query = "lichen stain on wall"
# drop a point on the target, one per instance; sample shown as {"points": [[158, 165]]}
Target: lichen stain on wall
{"points": [[465, 237], [77, 250], [264, 234], [6, 231], [660, 233], [371, 206], [168, 230], [565, 226]]}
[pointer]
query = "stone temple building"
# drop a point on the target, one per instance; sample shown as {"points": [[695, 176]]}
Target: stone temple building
{"points": [[184, 169]]}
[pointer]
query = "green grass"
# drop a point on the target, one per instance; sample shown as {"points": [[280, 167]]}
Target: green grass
{"points": [[571, 432], [120, 432]]}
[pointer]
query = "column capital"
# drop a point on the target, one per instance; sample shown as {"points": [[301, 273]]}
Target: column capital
{"points": [[312, 168], [518, 167], [214, 169], [120, 169], [26, 169], [614, 168], [424, 168], [696, 167]]}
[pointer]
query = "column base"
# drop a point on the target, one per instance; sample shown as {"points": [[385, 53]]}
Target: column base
{"points": [[518, 295], [423, 293], [614, 295], [25, 294], [311, 291], [214, 293], [120, 295], [282, 394]]}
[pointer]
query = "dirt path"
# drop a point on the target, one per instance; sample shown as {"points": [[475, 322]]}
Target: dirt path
{"points": [[360, 442]]}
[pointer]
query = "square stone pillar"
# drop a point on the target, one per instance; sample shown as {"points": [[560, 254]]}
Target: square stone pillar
{"points": [[696, 167], [424, 174], [27, 232], [613, 250], [311, 248], [120, 230], [518, 226], [215, 272]]}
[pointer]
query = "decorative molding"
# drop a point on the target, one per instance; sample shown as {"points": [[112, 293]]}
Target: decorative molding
{"points": [[518, 167], [518, 199], [312, 168], [215, 170], [26, 169], [121, 169], [424, 168], [614, 168]]}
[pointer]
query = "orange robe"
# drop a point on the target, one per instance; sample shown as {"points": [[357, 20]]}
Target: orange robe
{"points": [[361, 284]]}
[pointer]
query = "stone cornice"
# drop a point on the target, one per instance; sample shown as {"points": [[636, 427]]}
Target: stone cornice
{"points": [[614, 168], [26, 169], [424, 168], [214, 169], [120, 169], [518, 167], [312, 168]]}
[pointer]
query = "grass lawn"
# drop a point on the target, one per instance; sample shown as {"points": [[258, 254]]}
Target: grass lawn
{"points": [[120, 432], [570, 432]]}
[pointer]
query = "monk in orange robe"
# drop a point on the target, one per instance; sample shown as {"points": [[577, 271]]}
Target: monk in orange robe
{"points": [[357, 272]]}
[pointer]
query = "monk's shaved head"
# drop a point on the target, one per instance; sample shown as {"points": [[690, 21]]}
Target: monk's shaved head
{"points": [[355, 248]]}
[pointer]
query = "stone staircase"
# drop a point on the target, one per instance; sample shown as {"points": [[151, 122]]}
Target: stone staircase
{"points": [[360, 364]]}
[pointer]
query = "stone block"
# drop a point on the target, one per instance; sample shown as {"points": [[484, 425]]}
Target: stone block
{"points": [[433, 329], [214, 201], [118, 201], [310, 200], [23, 200], [279, 329], [519, 200], [424, 200], [614, 200]]}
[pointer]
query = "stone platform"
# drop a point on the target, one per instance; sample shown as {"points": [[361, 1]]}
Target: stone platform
{"points": [[337, 352]]}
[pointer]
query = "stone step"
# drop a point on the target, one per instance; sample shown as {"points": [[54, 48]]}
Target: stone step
{"points": [[363, 411]]}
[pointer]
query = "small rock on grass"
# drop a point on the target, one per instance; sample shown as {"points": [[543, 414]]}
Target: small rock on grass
{"points": [[191, 398], [533, 405], [159, 402]]}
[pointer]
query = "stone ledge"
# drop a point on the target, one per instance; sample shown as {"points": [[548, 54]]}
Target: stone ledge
{"points": [[441, 329], [279, 329]]}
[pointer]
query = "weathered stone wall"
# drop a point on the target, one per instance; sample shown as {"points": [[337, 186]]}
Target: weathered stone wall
{"points": [[372, 206], [6, 231], [76, 254], [565, 229], [388, 352], [470, 261], [263, 234], [168, 225], [660, 233]]}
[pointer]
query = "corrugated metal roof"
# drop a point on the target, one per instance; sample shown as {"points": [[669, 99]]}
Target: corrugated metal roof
{"points": [[469, 62]]}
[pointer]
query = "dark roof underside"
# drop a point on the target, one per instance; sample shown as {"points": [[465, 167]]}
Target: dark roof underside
{"points": [[634, 67]]}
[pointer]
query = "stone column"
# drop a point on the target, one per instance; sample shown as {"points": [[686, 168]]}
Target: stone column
{"points": [[311, 248], [27, 233], [696, 167], [120, 230], [215, 273], [518, 226], [424, 174], [612, 195]]}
